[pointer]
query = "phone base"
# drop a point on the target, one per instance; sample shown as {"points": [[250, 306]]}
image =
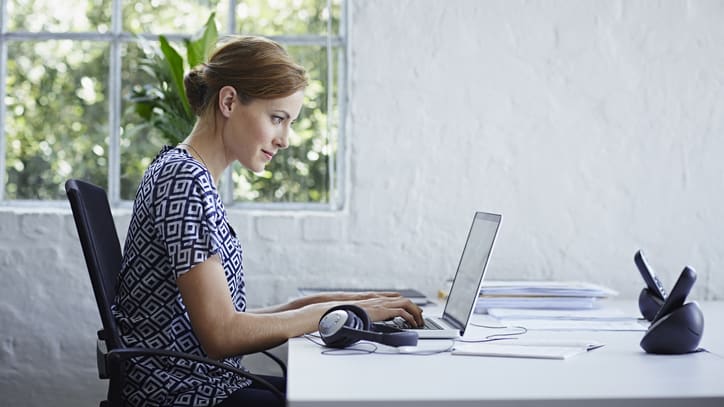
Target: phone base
{"points": [[677, 332], [649, 304]]}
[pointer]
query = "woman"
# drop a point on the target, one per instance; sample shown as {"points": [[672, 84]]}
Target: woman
{"points": [[182, 281]]}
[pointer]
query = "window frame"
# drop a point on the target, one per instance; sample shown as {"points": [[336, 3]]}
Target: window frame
{"points": [[334, 43]]}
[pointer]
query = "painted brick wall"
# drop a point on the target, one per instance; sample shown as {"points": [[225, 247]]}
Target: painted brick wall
{"points": [[593, 126]]}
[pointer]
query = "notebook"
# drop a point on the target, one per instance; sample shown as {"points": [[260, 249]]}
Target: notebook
{"points": [[512, 349], [466, 284]]}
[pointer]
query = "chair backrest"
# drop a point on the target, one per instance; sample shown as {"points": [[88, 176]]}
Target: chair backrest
{"points": [[101, 249]]}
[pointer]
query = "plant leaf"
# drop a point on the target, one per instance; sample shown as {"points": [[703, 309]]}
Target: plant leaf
{"points": [[144, 110], [176, 67], [200, 45]]}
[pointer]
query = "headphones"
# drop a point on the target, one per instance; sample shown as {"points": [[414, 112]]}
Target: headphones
{"points": [[344, 325]]}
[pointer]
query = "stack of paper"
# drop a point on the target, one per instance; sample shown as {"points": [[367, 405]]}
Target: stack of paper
{"points": [[541, 295], [545, 288]]}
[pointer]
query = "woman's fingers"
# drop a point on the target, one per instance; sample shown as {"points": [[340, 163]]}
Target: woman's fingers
{"points": [[389, 307]]}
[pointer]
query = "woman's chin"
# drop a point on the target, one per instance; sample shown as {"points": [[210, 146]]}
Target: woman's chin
{"points": [[258, 169]]}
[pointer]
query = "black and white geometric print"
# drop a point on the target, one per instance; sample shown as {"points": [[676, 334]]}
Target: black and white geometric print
{"points": [[178, 221]]}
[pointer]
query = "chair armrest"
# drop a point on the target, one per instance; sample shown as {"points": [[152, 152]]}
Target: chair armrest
{"points": [[101, 352], [278, 361], [115, 357]]}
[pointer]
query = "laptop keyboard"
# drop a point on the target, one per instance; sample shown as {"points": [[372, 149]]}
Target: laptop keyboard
{"points": [[400, 322]]}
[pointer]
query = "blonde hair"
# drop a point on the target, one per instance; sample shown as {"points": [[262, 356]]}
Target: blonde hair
{"points": [[257, 67]]}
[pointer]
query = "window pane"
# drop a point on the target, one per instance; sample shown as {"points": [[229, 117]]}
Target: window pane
{"points": [[57, 95], [57, 117], [172, 16], [301, 172], [286, 17], [59, 16]]}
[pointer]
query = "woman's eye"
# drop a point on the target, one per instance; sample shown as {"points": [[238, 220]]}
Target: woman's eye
{"points": [[277, 119]]}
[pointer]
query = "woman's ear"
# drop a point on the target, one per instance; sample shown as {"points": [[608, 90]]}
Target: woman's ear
{"points": [[227, 100]]}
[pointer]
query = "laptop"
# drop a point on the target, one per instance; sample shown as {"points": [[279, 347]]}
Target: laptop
{"points": [[466, 284]]}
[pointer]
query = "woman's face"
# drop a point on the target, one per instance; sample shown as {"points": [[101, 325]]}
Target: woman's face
{"points": [[255, 132]]}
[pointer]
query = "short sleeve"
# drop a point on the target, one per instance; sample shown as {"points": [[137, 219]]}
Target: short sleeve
{"points": [[186, 221]]}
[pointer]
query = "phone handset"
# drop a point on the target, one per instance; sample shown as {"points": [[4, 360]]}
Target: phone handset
{"points": [[653, 295], [652, 282], [678, 294]]}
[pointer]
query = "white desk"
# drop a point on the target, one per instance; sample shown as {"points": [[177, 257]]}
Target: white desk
{"points": [[619, 373]]}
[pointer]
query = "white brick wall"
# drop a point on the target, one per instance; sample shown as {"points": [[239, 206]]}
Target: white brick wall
{"points": [[593, 126]]}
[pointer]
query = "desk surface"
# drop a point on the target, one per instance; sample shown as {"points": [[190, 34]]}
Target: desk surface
{"points": [[620, 373]]}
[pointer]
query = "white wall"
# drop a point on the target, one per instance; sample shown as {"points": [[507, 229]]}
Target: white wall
{"points": [[593, 126]]}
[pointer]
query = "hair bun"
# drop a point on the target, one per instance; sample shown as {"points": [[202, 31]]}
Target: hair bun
{"points": [[195, 85]]}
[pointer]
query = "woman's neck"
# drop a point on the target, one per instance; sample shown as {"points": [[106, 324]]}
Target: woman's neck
{"points": [[204, 145]]}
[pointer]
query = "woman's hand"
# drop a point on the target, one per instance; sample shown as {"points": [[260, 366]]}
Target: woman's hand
{"points": [[381, 308], [379, 305]]}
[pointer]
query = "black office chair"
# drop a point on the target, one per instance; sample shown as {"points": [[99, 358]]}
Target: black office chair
{"points": [[102, 252]]}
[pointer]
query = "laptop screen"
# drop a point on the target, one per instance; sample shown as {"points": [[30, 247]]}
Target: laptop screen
{"points": [[476, 253]]}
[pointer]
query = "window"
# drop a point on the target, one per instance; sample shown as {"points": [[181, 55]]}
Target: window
{"points": [[67, 69]]}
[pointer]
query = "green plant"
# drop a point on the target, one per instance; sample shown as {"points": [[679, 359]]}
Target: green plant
{"points": [[162, 103]]}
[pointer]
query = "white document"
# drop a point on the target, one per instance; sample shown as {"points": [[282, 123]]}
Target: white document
{"points": [[580, 325], [559, 320], [606, 314]]}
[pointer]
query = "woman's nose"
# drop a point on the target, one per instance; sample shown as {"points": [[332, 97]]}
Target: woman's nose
{"points": [[283, 141]]}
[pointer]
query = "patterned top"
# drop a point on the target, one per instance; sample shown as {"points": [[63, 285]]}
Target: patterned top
{"points": [[178, 221]]}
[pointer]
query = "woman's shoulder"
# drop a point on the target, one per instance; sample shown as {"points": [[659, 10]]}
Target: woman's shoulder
{"points": [[172, 161], [174, 166]]}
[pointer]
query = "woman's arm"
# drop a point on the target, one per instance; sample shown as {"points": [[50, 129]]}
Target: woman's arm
{"points": [[224, 332], [326, 297]]}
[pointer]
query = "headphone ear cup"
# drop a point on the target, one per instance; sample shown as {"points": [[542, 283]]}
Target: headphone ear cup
{"points": [[342, 316], [360, 313]]}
